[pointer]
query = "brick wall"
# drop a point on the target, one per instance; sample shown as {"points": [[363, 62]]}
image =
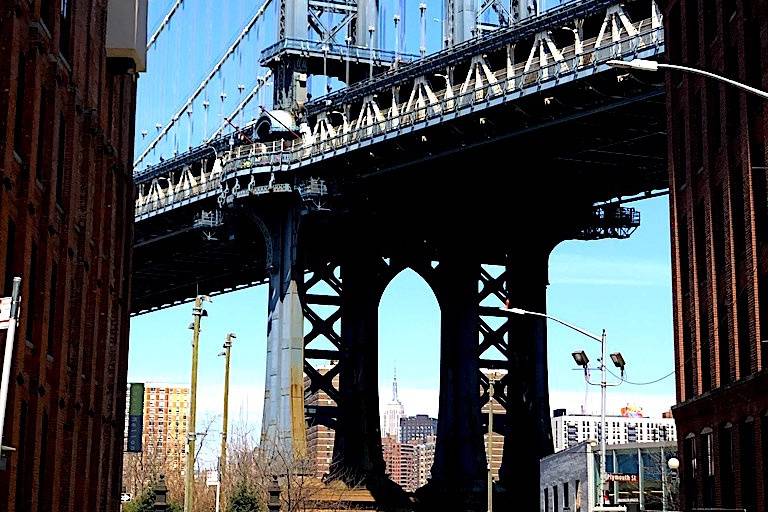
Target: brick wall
{"points": [[719, 212], [66, 211]]}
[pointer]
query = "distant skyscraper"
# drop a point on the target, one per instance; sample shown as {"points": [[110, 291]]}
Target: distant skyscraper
{"points": [[418, 427], [393, 412]]}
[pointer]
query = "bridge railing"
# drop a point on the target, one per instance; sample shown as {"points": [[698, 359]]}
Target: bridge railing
{"points": [[535, 77], [163, 199], [351, 52], [285, 152]]}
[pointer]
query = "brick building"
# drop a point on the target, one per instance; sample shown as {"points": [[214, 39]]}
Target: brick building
{"points": [[717, 162], [164, 430], [320, 438], [67, 103]]}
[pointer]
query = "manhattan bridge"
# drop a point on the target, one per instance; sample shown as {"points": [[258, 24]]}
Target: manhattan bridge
{"points": [[467, 165]]}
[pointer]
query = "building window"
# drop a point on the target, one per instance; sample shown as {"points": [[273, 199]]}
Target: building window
{"points": [[60, 161], [577, 497], [748, 463], [43, 488], [10, 244], [556, 505], [33, 293], [721, 278], [745, 339], [689, 477], [47, 12], [764, 455], [566, 496], [692, 26], [42, 130], [679, 154], [18, 131], [22, 472], [52, 308], [65, 28], [702, 298], [713, 115], [710, 21], [726, 466], [709, 468]]}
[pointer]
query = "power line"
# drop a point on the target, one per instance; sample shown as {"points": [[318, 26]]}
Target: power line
{"points": [[642, 383], [204, 83]]}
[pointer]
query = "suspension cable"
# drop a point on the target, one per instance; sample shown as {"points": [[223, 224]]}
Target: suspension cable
{"points": [[228, 120], [204, 83], [163, 23]]}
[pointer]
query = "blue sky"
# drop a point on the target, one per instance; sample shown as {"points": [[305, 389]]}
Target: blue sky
{"points": [[621, 286]]}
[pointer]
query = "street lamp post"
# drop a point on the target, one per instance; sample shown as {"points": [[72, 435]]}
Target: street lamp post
{"points": [[582, 360], [227, 358], [189, 478], [652, 65]]}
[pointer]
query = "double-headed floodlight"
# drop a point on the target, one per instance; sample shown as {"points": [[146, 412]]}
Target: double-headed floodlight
{"points": [[581, 358], [618, 361]]}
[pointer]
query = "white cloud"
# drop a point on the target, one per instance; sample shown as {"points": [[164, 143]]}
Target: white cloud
{"points": [[581, 269]]}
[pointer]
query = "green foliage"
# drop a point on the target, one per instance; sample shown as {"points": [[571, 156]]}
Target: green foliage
{"points": [[245, 498], [143, 503]]}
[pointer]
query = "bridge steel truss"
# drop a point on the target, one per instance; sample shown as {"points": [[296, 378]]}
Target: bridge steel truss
{"points": [[327, 270]]}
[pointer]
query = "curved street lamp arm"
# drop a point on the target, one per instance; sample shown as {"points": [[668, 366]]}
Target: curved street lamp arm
{"points": [[570, 326], [734, 83], [518, 311]]}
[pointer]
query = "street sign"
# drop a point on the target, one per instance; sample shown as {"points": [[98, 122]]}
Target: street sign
{"points": [[212, 478], [622, 477], [125, 497]]}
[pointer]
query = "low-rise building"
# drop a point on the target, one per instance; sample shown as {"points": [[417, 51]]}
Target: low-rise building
{"points": [[638, 475]]}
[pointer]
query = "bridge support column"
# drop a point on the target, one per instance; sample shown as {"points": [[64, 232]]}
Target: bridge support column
{"points": [[357, 454], [458, 474], [529, 433], [283, 426]]}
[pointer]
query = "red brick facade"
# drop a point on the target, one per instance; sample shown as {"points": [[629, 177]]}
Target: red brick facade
{"points": [[66, 213], [719, 212]]}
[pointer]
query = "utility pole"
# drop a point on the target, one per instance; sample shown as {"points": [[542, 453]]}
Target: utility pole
{"points": [[227, 358], [604, 425], [189, 477]]}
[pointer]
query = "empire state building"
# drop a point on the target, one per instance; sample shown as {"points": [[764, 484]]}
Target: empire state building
{"points": [[393, 411]]}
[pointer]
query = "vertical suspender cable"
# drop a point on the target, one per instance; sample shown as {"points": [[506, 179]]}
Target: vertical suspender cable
{"points": [[204, 83]]}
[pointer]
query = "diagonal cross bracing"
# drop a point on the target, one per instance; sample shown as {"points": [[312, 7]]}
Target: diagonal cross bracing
{"points": [[204, 83]]}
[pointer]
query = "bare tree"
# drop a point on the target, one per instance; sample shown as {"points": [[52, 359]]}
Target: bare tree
{"points": [[141, 470]]}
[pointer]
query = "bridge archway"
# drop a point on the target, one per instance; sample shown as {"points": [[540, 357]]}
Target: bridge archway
{"points": [[409, 340]]}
